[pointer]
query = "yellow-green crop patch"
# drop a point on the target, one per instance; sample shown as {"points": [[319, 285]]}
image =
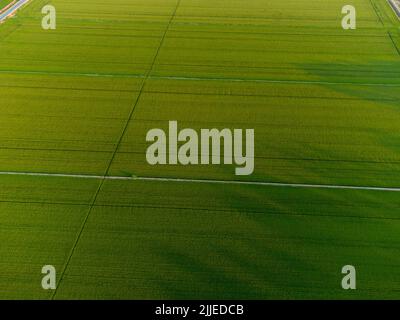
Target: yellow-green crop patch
{"points": [[77, 102]]}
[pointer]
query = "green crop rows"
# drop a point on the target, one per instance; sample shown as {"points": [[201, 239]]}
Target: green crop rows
{"points": [[4, 3], [325, 106]]}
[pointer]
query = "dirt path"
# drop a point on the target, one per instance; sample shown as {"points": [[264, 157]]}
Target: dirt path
{"points": [[11, 9]]}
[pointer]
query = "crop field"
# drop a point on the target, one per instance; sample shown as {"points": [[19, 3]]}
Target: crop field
{"points": [[76, 104], [4, 3]]}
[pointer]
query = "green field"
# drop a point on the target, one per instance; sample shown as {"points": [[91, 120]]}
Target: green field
{"points": [[79, 100], [3, 3]]}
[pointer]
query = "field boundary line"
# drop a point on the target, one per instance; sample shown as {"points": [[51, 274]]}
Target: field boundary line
{"points": [[203, 181], [274, 81], [377, 12], [144, 77], [11, 10], [394, 43], [7, 6], [395, 7]]}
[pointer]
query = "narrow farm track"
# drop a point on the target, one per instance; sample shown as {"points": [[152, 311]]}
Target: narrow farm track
{"points": [[209, 181]]}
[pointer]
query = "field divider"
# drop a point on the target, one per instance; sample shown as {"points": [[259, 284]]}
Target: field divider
{"points": [[203, 181], [394, 43], [395, 5], [10, 11], [8, 6], [182, 78], [313, 82]]}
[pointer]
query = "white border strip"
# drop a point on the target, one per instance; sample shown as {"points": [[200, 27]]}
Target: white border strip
{"points": [[11, 10], [395, 4], [205, 181], [179, 78]]}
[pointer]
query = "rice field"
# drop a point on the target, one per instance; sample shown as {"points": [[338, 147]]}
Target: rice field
{"points": [[4, 3], [325, 106]]}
